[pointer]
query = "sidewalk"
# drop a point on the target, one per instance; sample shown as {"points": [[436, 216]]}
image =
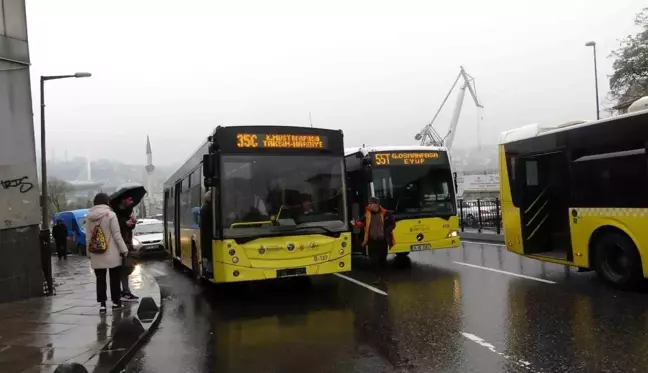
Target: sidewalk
{"points": [[38, 334]]}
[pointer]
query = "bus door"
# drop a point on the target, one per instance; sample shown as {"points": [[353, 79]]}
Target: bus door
{"points": [[357, 187], [176, 225], [165, 218], [545, 220]]}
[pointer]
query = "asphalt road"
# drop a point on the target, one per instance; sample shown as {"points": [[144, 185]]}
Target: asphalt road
{"points": [[473, 309]]}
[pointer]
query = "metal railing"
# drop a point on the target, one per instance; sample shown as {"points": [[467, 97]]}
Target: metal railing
{"points": [[480, 215]]}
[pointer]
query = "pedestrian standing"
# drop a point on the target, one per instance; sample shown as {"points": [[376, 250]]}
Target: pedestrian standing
{"points": [[127, 223], [378, 224], [60, 234], [105, 245]]}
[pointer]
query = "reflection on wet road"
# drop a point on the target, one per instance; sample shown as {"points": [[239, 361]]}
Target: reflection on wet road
{"points": [[473, 309]]}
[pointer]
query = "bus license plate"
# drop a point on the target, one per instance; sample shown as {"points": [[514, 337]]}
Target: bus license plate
{"points": [[291, 272], [420, 247]]}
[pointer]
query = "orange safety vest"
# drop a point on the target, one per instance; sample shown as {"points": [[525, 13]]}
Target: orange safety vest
{"points": [[367, 224]]}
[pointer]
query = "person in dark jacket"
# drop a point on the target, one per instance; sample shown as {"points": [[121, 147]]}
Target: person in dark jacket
{"points": [[60, 234], [124, 211], [378, 224]]}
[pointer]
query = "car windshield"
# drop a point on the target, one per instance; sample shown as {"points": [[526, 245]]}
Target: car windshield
{"points": [[270, 194], [142, 229], [415, 190]]}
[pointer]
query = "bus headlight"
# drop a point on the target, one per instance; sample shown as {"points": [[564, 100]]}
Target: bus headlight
{"points": [[235, 260], [343, 244], [453, 234], [341, 264], [232, 252], [341, 251]]}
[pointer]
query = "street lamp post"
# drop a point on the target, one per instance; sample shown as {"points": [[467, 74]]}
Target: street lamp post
{"points": [[593, 45], [45, 229]]}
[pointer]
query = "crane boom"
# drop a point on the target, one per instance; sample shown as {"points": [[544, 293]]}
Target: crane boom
{"points": [[428, 135]]}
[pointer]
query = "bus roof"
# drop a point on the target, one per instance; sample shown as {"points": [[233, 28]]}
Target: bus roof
{"points": [[195, 159], [536, 130], [393, 148]]}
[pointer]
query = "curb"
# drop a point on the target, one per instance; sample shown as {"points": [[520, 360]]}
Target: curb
{"points": [[483, 237], [144, 337], [141, 341]]}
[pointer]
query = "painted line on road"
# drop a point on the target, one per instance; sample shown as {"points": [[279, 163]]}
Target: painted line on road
{"points": [[506, 272], [156, 271], [376, 290], [484, 243], [480, 341]]}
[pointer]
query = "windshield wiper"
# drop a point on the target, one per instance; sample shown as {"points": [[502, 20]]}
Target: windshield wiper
{"points": [[327, 230]]}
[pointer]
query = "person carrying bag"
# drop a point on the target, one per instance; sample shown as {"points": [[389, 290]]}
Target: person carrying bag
{"points": [[105, 245]]}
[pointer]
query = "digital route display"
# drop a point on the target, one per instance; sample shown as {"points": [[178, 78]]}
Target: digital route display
{"points": [[280, 141], [408, 158]]}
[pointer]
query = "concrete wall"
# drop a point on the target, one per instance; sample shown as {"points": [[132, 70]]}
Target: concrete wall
{"points": [[20, 269]]}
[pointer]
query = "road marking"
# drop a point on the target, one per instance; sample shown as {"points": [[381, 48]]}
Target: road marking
{"points": [[480, 341], [506, 273], [156, 271], [484, 243], [376, 290]]}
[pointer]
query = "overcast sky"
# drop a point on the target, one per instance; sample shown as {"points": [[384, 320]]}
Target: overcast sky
{"points": [[376, 69]]}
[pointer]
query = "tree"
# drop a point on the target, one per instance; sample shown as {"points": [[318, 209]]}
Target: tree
{"points": [[629, 81], [57, 191]]}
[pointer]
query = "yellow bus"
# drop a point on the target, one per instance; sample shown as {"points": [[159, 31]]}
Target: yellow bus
{"points": [[416, 184], [278, 205], [577, 194]]}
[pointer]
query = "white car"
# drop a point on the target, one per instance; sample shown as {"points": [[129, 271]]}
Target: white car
{"points": [[148, 237]]}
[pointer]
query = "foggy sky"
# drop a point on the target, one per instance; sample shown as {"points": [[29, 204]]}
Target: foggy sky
{"points": [[376, 69]]}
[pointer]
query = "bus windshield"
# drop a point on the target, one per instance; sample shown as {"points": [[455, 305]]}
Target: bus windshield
{"points": [[264, 195], [415, 190]]}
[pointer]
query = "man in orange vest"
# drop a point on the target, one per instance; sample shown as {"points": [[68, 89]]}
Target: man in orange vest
{"points": [[378, 224]]}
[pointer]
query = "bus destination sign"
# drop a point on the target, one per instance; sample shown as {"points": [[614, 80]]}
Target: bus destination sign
{"points": [[407, 158], [280, 141]]}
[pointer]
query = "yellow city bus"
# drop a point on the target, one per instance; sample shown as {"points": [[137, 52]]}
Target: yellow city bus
{"points": [[577, 194], [278, 205], [416, 184]]}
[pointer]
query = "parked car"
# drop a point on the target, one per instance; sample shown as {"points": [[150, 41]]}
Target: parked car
{"points": [[469, 212], [148, 237]]}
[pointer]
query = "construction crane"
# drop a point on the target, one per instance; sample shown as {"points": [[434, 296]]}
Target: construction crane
{"points": [[428, 135]]}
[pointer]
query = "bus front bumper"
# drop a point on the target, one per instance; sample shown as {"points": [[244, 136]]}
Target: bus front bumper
{"points": [[226, 272], [444, 243]]}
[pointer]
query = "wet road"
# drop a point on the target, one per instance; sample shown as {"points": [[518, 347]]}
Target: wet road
{"points": [[456, 310]]}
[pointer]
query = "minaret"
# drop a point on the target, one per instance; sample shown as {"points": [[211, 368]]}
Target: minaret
{"points": [[149, 171]]}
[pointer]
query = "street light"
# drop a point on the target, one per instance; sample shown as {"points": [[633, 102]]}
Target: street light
{"points": [[593, 45], [45, 233]]}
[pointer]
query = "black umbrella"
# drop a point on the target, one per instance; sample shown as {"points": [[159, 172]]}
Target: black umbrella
{"points": [[135, 191]]}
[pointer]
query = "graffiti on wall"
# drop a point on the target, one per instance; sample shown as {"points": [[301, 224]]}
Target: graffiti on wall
{"points": [[18, 192]]}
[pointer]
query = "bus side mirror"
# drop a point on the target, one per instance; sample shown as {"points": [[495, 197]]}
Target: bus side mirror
{"points": [[209, 170], [455, 181]]}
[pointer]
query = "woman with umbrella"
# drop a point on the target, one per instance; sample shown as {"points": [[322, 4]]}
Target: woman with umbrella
{"points": [[123, 201]]}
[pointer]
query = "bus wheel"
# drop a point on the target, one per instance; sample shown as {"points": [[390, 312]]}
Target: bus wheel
{"points": [[617, 260], [402, 255]]}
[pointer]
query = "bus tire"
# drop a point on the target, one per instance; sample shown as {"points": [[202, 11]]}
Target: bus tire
{"points": [[617, 260], [402, 255]]}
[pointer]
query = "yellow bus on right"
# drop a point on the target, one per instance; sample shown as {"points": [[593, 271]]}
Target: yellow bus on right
{"points": [[577, 194]]}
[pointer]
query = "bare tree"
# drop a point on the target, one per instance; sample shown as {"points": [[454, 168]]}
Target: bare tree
{"points": [[58, 194]]}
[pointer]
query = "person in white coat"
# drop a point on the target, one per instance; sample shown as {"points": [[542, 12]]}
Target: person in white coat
{"points": [[111, 260]]}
